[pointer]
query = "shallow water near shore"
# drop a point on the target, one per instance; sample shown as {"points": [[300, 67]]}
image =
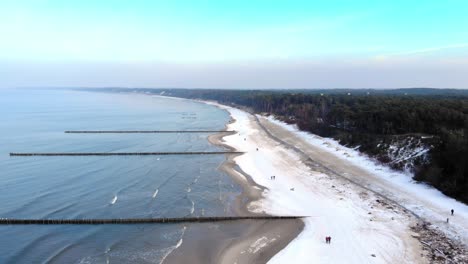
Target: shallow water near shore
{"points": [[105, 187]]}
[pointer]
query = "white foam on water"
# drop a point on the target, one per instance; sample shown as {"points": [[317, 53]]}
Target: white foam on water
{"points": [[193, 207], [114, 200], [155, 193], [171, 249], [179, 243]]}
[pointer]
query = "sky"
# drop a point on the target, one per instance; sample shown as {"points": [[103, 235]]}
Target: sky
{"points": [[234, 44]]}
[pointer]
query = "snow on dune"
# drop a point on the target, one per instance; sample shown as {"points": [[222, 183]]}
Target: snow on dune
{"points": [[421, 198]]}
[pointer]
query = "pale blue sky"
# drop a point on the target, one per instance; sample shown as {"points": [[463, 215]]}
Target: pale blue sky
{"points": [[229, 44]]}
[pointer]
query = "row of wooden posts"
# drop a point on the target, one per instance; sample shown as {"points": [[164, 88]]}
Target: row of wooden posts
{"points": [[170, 220], [25, 154], [11, 221]]}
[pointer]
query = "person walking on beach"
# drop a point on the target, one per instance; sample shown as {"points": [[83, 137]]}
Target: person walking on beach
{"points": [[329, 240], [452, 211]]}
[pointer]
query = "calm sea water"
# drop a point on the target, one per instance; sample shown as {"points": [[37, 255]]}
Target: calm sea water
{"points": [[104, 187]]}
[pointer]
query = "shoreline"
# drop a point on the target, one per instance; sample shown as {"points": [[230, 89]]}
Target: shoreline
{"points": [[394, 233], [255, 241], [272, 235], [246, 241]]}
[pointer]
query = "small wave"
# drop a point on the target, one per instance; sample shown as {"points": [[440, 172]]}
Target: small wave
{"points": [[219, 190], [54, 256], [179, 243], [181, 237], [168, 179], [171, 249], [58, 210], [114, 200], [189, 189], [193, 208], [155, 193]]}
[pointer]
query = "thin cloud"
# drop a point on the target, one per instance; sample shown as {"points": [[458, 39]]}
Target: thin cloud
{"points": [[425, 50]]}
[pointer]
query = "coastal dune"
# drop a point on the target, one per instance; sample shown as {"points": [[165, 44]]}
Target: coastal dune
{"points": [[424, 201]]}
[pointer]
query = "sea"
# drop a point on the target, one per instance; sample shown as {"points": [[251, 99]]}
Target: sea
{"points": [[33, 120]]}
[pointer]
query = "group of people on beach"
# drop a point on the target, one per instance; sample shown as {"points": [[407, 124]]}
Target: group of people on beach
{"points": [[328, 239]]}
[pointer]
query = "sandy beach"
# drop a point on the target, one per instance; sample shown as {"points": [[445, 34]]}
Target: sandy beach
{"points": [[362, 230], [367, 219]]}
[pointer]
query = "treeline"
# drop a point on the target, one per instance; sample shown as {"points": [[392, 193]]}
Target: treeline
{"points": [[370, 119]]}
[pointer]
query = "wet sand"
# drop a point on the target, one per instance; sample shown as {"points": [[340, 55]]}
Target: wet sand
{"points": [[236, 242]]}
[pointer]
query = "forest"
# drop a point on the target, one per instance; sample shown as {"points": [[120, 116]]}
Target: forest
{"points": [[373, 121]]}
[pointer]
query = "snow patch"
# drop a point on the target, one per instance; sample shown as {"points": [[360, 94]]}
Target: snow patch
{"points": [[259, 244]]}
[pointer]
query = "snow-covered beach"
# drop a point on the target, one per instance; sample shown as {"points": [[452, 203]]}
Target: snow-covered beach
{"points": [[364, 228], [425, 201]]}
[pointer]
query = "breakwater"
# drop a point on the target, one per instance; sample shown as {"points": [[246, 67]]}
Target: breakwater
{"points": [[125, 153], [174, 220], [144, 131]]}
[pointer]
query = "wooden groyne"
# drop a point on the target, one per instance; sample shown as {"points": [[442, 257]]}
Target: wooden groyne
{"points": [[124, 153], [144, 131], [7, 221]]}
